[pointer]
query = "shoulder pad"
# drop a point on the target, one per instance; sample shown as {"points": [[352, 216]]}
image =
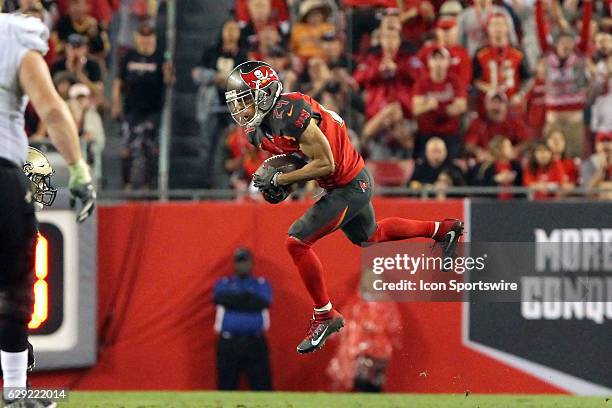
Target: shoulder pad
{"points": [[291, 115], [30, 32]]}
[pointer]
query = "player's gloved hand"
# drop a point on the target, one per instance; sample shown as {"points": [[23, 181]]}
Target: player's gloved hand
{"points": [[267, 181], [82, 189], [275, 195]]}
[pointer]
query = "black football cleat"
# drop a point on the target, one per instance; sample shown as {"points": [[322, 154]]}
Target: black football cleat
{"points": [[449, 232], [319, 331]]}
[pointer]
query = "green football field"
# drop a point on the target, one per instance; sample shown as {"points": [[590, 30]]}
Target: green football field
{"points": [[321, 400]]}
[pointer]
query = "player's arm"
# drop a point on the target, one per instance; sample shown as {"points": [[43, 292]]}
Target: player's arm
{"points": [[541, 25], [36, 82], [313, 144], [457, 107]]}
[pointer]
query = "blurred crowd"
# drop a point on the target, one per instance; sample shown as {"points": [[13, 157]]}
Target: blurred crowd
{"points": [[435, 93], [126, 84]]}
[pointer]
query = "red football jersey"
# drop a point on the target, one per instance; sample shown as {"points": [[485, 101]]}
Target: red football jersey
{"points": [[460, 64], [283, 126], [481, 130], [438, 122], [553, 174], [505, 68]]}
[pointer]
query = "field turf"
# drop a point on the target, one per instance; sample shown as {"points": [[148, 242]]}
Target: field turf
{"points": [[322, 400]]}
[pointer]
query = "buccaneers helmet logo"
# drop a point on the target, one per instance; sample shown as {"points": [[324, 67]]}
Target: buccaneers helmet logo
{"points": [[259, 77]]}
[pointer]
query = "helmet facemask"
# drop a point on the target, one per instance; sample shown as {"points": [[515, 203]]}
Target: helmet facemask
{"points": [[238, 104], [42, 190]]}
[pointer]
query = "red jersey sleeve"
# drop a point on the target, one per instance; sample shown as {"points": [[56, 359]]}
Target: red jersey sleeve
{"points": [[541, 26], [585, 33]]}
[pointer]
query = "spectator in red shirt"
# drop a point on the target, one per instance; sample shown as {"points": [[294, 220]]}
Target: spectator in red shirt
{"points": [[596, 171], [499, 66], [242, 159], [260, 26], [101, 10], [387, 135], [417, 17], [555, 139], [439, 99], [502, 169], [473, 24], [496, 121], [566, 78], [279, 14], [446, 36], [264, 42], [544, 175], [387, 74]]}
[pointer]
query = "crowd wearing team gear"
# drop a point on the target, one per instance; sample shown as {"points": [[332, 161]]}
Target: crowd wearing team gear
{"points": [[400, 73], [367, 60]]}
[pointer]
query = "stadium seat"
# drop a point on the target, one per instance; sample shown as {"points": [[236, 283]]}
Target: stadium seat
{"points": [[391, 173]]}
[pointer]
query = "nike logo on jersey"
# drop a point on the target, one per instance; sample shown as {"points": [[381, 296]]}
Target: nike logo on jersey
{"points": [[315, 342], [290, 111]]}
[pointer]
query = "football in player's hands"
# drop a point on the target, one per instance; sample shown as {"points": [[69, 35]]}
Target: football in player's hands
{"points": [[264, 176]]}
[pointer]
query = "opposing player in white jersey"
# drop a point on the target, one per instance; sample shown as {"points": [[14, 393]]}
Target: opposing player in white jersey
{"points": [[23, 75]]}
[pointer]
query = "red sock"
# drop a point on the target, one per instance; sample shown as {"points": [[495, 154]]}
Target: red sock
{"points": [[396, 228], [310, 268]]}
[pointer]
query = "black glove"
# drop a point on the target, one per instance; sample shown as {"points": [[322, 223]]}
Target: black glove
{"points": [[267, 180], [275, 195], [86, 194]]}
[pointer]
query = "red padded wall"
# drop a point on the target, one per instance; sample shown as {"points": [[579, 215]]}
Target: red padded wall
{"points": [[157, 266]]}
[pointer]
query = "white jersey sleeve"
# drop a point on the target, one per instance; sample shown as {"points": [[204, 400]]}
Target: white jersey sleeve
{"points": [[19, 34], [29, 34]]}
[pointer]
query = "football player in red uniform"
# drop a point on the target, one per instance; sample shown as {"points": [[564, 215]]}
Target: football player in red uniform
{"points": [[296, 123]]}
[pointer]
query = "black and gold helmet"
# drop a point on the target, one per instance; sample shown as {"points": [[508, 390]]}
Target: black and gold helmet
{"points": [[38, 169]]}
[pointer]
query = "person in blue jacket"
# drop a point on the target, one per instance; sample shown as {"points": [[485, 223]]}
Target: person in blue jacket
{"points": [[242, 319]]}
